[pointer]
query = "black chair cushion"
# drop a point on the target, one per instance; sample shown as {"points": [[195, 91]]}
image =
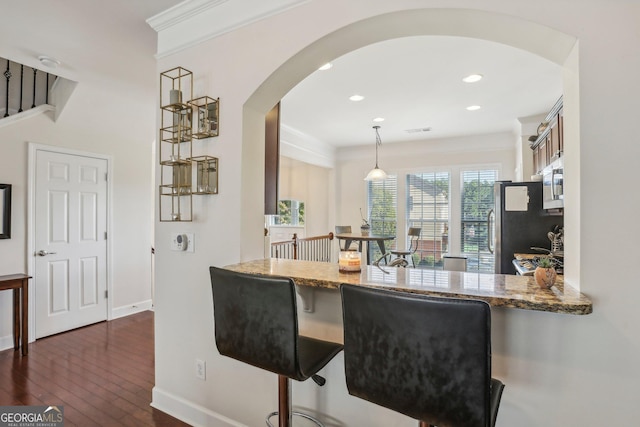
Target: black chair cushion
{"points": [[496, 394], [425, 357], [256, 323], [314, 354]]}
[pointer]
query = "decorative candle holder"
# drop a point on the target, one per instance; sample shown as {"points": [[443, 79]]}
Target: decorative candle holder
{"points": [[349, 262], [206, 116], [175, 97]]}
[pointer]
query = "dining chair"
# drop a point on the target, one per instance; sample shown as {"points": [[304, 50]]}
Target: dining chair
{"points": [[414, 236], [346, 229]]}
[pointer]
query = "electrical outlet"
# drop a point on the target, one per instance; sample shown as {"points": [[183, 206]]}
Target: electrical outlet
{"points": [[201, 369]]}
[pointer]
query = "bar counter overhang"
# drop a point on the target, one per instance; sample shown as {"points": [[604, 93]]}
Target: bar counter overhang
{"points": [[499, 290]]}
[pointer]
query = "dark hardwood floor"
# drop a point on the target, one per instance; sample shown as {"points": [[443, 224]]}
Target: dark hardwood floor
{"points": [[101, 374]]}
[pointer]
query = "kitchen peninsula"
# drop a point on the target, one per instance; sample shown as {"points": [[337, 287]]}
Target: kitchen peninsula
{"points": [[499, 290]]}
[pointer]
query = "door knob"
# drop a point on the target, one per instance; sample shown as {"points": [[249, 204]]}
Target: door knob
{"points": [[44, 253]]}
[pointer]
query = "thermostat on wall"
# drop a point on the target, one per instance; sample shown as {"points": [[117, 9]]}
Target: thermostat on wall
{"points": [[182, 242]]}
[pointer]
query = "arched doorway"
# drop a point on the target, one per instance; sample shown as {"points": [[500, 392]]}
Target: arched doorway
{"points": [[526, 35]]}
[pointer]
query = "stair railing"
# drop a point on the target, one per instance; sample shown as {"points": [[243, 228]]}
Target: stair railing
{"points": [[16, 91]]}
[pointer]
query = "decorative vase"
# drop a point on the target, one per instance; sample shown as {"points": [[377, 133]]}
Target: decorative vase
{"points": [[364, 229], [545, 277]]}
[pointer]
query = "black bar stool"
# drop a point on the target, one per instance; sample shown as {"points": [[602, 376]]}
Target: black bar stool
{"points": [[256, 322], [426, 357]]}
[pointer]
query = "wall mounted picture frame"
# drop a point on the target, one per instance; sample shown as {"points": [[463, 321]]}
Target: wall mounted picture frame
{"points": [[5, 211]]}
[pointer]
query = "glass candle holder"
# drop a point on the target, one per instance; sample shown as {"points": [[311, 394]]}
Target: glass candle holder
{"points": [[349, 262]]}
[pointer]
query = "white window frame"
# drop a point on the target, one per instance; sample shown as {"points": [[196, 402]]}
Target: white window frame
{"points": [[455, 199]]}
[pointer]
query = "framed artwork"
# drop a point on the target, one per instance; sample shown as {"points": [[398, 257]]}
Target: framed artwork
{"points": [[5, 211]]}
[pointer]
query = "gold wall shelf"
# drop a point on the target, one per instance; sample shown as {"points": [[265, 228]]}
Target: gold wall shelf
{"points": [[176, 89], [206, 170], [184, 118], [206, 113]]}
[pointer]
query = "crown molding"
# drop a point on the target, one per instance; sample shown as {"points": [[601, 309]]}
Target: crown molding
{"points": [[181, 12], [300, 146], [194, 21]]}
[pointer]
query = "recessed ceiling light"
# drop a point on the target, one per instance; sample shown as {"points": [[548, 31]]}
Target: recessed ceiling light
{"points": [[473, 107], [356, 98], [326, 66], [378, 119], [48, 61], [472, 78]]}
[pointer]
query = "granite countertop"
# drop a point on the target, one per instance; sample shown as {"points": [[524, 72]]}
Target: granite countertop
{"points": [[499, 290]]}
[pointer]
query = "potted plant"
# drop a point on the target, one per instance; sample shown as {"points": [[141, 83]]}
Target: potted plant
{"points": [[545, 273], [365, 227]]}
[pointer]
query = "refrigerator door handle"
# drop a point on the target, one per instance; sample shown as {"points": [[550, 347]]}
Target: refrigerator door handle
{"points": [[489, 231]]}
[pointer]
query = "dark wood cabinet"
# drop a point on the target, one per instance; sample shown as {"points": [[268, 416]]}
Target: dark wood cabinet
{"points": [[271, 160], [541, 156], [549, 145], [555, 137]]}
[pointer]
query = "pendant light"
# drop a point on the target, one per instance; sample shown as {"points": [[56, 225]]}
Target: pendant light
{"points": [[376, 174]]}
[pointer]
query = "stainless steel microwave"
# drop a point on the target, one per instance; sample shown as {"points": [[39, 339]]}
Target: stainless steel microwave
{"points": [[553, 185]]}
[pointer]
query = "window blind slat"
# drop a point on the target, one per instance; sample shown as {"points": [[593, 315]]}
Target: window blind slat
{"points": [[428, 208], [477, 200], [382, 203]]}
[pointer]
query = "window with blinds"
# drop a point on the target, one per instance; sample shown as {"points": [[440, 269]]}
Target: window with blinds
{"points": [[428, 208], [382, 203], [477, 200], [427, 201]]}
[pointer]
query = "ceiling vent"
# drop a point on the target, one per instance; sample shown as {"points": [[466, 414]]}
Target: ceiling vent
{"points": [[417, 130]]}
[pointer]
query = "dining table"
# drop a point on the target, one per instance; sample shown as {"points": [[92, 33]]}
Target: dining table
{"points": [[366, 238]]}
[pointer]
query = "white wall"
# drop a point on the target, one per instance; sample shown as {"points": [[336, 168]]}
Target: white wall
{"points": [[315, 186], [559, 370], [111, 112]]}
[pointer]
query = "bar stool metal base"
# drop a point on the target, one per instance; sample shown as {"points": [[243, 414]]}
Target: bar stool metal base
{"points": [[300, 414], [285, 414]]}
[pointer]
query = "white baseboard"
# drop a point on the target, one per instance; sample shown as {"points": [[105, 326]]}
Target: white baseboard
{"points": [[189, 412], [131, 309], [6, 342]]}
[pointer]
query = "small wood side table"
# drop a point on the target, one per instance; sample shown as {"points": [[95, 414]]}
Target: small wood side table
{"points": [[19, 282]]}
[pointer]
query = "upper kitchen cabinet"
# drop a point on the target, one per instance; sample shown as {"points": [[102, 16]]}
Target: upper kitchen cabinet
{"points": [[548, 146]]}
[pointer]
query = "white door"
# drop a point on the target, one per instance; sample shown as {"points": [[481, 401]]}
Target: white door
{"points": [[70, 206]]}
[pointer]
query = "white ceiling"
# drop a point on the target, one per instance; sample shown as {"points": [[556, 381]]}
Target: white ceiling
{"points": [[412, 82], [416, 82], [82, 35]]}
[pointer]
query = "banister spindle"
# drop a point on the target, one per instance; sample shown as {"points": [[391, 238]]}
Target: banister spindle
{"points": [[35, 72], [21, 86], [7, 75], [295, 245]]}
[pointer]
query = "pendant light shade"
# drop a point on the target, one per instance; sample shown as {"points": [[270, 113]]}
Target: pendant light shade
{"points": [[376, 174]]}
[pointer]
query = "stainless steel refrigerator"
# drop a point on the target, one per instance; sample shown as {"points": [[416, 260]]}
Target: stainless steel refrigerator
{"points": [[520, 222]]}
